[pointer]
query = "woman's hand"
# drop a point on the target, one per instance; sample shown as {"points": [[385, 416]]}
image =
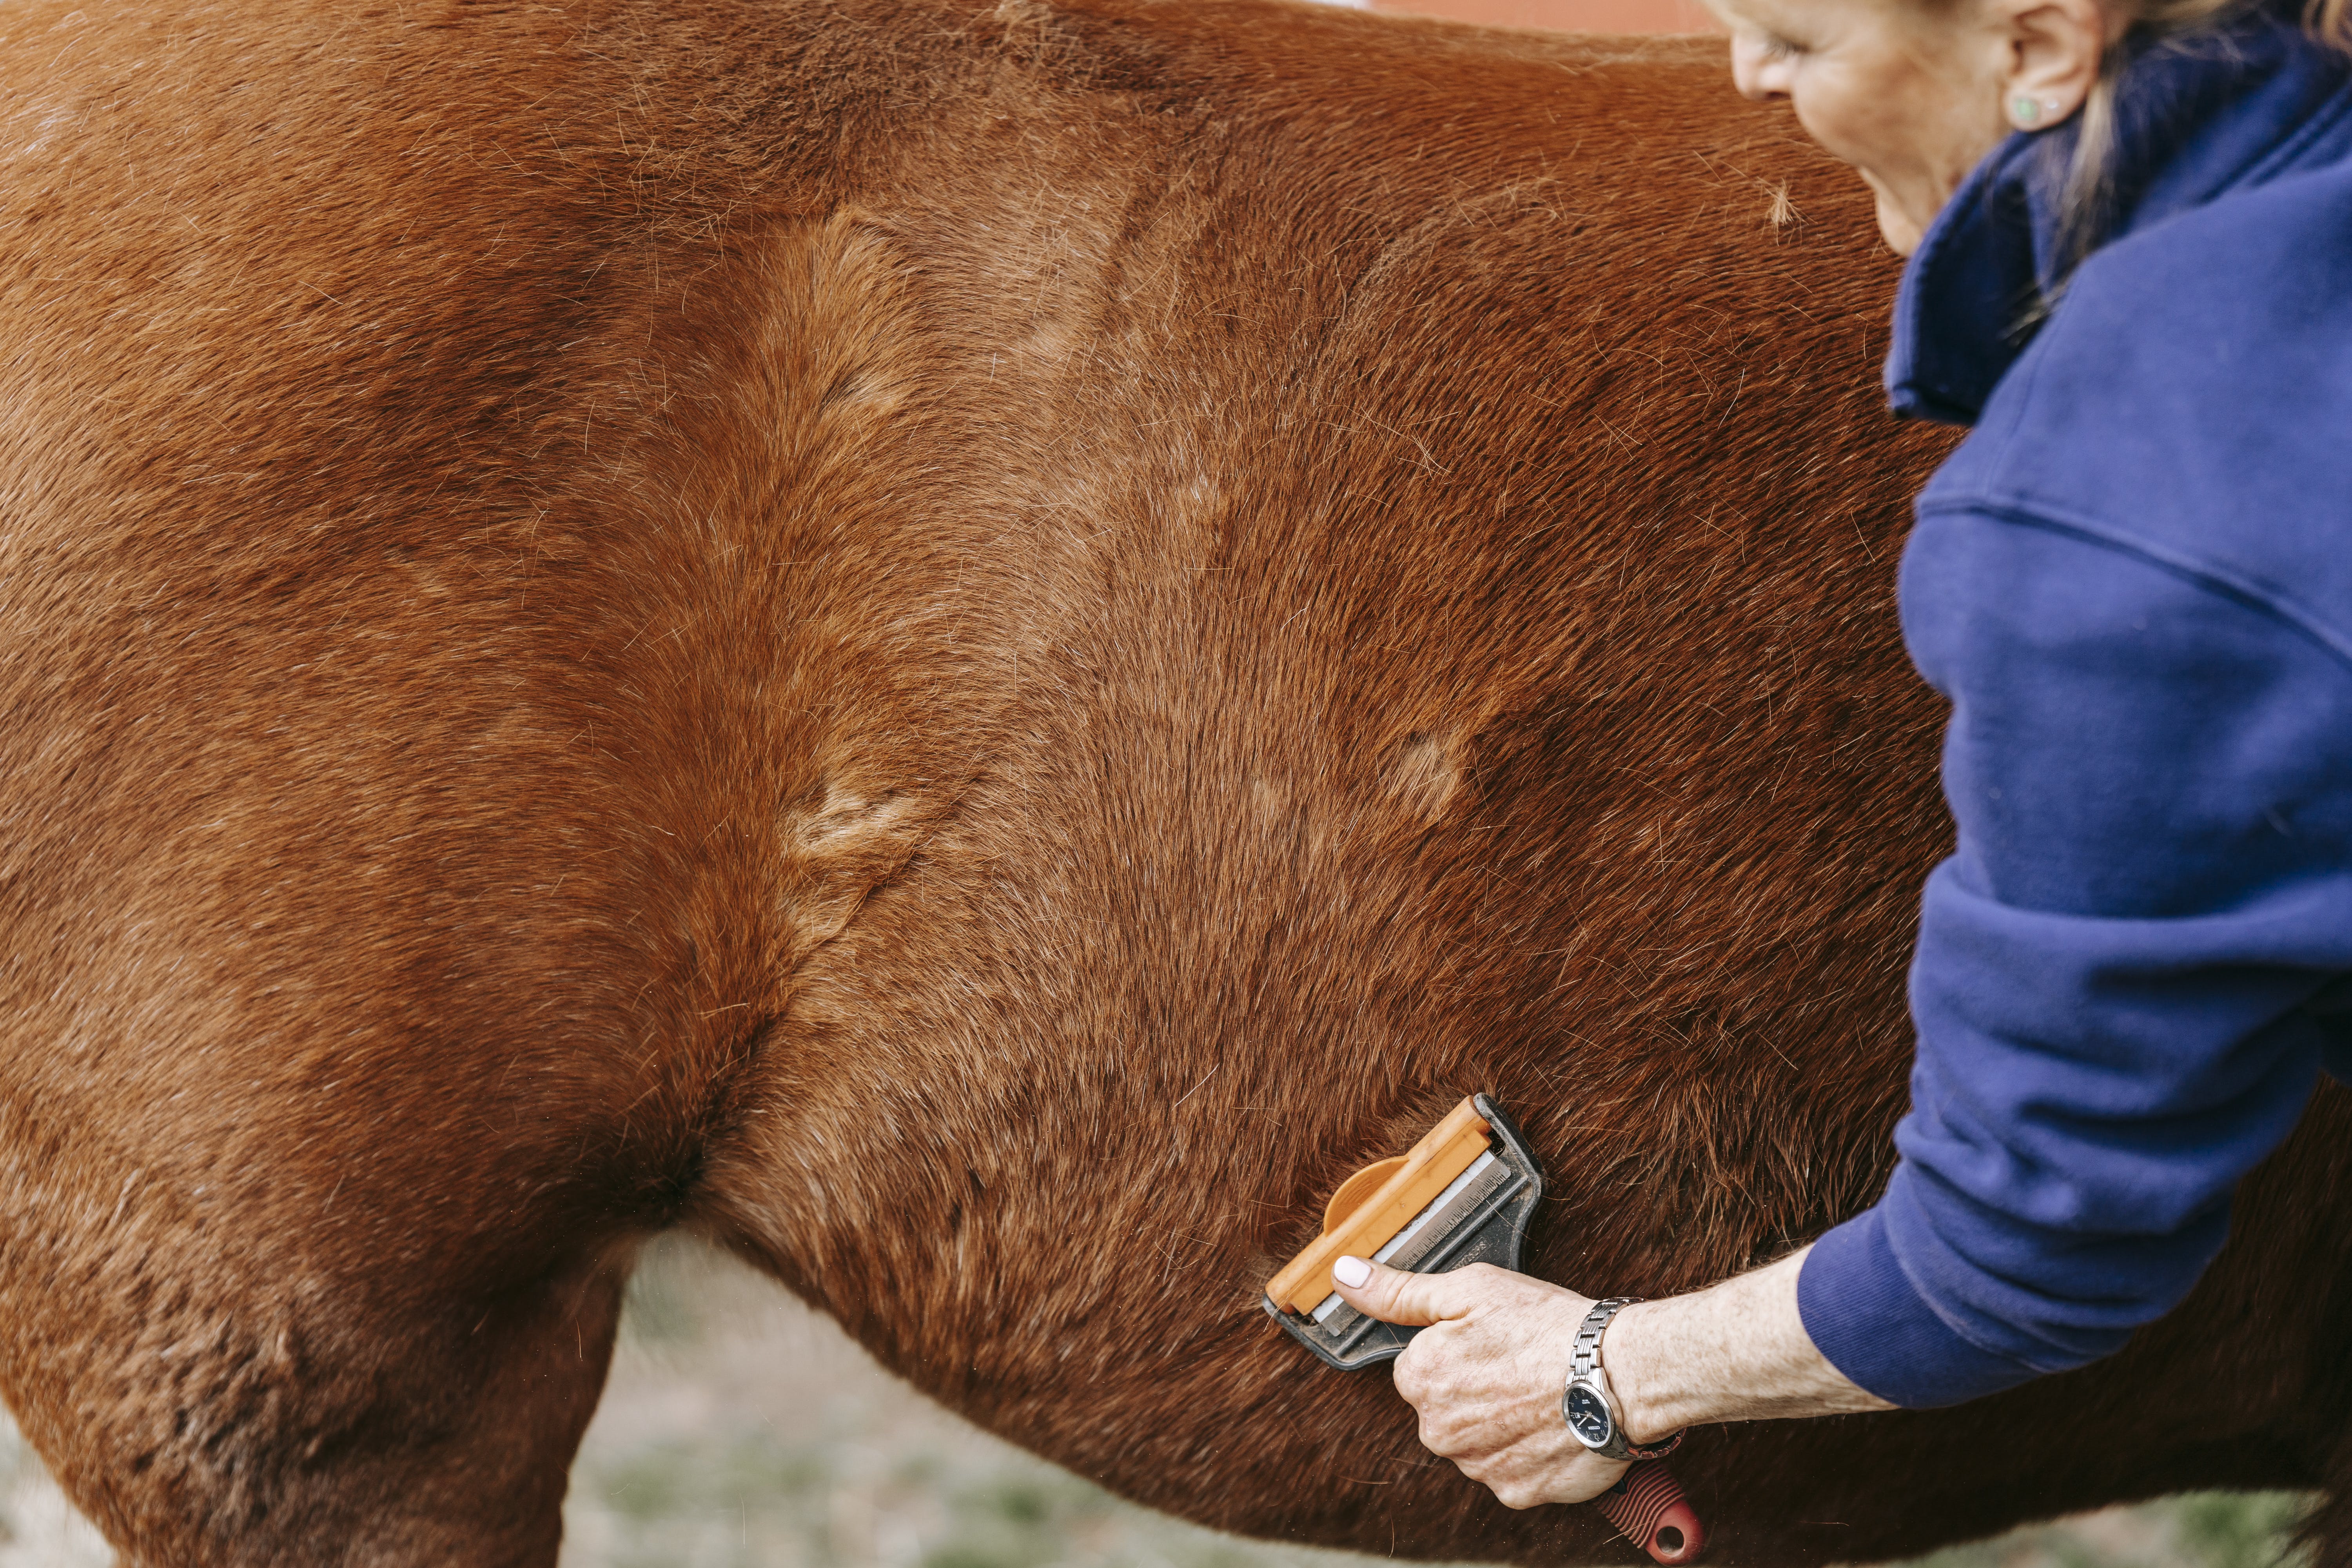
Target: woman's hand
{"points": [[1487, 1375], [1488, 1371]]}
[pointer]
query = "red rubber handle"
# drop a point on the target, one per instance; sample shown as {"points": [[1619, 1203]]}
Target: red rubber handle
{"points": [[1648, 1508]]}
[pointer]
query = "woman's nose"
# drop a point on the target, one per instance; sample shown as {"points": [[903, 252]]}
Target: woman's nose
{"points": [[1756, 70]]}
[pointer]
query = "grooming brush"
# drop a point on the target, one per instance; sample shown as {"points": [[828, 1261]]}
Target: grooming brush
{"points": [[1462, 1195]]}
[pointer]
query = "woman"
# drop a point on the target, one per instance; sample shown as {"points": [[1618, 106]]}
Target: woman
{"points": [[2130, 231]]}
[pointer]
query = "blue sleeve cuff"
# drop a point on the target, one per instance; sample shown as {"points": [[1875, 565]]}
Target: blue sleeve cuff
{"points": [[1862, 1312]]}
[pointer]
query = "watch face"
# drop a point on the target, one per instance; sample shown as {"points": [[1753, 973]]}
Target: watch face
{"points": [[1588, 1414]]}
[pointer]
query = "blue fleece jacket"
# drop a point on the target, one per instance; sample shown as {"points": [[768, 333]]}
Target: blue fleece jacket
{"points": [[2133, 582]]}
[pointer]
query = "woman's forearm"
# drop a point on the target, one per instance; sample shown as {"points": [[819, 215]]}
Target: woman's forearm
{"points": [[1735, 1351], [1486, 1375]]}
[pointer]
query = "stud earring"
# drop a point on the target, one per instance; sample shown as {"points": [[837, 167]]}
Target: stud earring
{"points": [[2029, 112]]}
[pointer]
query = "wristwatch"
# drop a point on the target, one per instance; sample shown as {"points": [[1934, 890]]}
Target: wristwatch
{"points": [[1587, 1404]]}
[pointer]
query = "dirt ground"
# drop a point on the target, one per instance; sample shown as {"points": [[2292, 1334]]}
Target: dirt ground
{"points": [[741, 1431]]}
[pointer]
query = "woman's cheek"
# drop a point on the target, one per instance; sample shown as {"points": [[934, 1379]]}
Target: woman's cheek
{"points": [[1818, 111]]}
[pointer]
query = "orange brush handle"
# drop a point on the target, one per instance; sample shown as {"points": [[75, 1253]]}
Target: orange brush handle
{"points": [[1648, 1508], [1379, 1200]]}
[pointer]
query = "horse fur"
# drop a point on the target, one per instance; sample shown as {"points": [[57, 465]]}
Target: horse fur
{"points": [[970, 648]]}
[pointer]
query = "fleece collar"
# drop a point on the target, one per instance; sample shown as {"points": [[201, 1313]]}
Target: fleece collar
{"points": [[2195, 119]]}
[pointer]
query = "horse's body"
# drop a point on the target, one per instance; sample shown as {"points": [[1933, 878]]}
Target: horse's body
{"points": [[973, 650]]}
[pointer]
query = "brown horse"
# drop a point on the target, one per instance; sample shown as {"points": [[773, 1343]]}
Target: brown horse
{"points": [[970, 649]]}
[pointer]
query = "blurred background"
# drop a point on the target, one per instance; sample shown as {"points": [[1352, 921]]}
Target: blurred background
{"points": [[740, 1430]]}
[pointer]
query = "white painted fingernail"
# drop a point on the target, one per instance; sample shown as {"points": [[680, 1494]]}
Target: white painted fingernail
{"points": [[1351, 1271]]}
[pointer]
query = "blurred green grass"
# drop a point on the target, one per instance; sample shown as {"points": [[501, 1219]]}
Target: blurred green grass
{"points": [[2198, 1530]]}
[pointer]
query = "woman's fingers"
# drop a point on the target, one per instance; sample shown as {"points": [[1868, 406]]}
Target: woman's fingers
{"points": [[1393, 1296]]}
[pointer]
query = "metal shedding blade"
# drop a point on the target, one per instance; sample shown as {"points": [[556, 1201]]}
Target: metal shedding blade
{"points": [[1465, 1194]]}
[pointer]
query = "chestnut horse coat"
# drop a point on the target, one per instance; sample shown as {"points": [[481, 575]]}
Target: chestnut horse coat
{"points": [[971, 647]]}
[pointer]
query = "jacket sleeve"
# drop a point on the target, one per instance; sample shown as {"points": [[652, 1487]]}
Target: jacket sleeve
{"points": [[2152, 780]]}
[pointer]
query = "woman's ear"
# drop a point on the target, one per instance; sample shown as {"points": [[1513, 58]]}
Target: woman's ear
{"points": [[2055, 47]]}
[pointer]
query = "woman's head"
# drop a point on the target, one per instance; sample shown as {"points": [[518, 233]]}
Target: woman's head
{"points": [[1913, 93]]}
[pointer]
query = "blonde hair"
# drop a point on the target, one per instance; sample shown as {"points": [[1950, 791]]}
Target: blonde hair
{"points": [[2088, 189]]}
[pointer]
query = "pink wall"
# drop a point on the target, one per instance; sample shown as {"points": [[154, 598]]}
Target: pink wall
{"points": [[1569, 15]]}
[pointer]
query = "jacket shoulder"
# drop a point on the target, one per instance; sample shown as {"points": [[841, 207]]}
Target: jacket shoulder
{"points": [[2189, 400]]}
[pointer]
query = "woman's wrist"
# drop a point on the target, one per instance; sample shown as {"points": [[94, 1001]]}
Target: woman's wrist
{"points": [[1735, 1352], [1649, 1405]]}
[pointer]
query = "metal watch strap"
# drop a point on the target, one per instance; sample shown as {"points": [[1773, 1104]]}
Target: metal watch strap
{"points": [[1584, 1362], [1586, 1353]]}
